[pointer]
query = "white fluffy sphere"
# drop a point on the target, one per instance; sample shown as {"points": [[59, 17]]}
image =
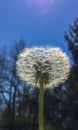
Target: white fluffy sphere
{"points": [[50, 65]]}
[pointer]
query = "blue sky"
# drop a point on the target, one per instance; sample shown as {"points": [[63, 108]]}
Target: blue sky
{"points": [[40, 23]]}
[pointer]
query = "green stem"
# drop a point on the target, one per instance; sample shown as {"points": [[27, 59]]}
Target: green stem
{"points": [[41, 107]]}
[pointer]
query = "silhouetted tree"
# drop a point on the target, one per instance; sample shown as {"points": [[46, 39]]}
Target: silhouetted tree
{"points": [[71, 38]]}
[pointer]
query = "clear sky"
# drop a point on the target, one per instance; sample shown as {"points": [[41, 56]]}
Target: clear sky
{"points": [[38, 22]]}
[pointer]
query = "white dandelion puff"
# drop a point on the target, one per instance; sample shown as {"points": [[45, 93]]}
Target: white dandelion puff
{"points": [[48, 65]]}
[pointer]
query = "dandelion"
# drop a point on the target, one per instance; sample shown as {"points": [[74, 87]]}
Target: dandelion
{"points": [[43, 68]]}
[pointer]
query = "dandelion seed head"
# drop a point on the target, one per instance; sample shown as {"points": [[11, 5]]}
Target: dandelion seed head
{"points": [[48, 65]]}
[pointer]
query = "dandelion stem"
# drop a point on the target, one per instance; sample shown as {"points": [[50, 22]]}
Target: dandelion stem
{"points": [[41, 107]]}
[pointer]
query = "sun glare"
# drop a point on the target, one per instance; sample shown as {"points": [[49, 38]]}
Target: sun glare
{"points": [[42, 6]]}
